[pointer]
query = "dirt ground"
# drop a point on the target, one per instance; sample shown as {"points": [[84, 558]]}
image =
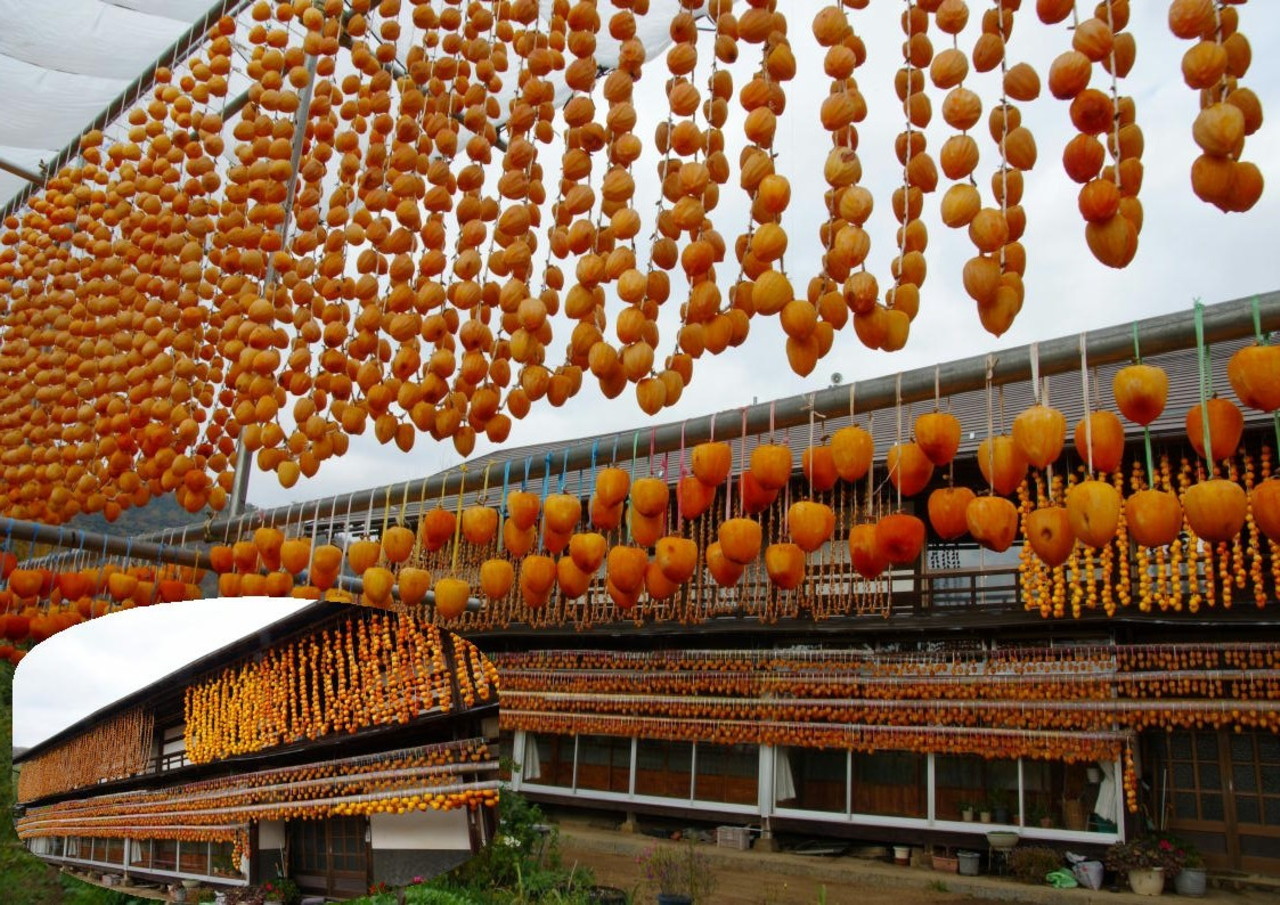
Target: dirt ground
{"points": [[745, 886]]}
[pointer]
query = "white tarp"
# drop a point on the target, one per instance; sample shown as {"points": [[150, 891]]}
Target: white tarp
{"points": [[85, 37], [63, 61]]}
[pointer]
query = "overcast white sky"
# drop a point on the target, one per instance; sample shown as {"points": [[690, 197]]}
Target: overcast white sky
{"points": [[86, 667], [1187, 250]]}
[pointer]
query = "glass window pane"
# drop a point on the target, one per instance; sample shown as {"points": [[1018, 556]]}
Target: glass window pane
{"points": [[811, 779], [549, 760], [1244, 777], [1271, 809], [1247, 810], [1211, 807], [604, 763], [891, 783], [663, 768], [1206, 746], [1210, 776], [990, 785], [193, 858], [1184, 805], [1184, 776], [165, 854], [1180, 745], [221, 853], [727, 773], [1271, 779]]}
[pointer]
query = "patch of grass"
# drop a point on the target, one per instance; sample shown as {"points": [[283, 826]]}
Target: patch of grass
{"points": [[937, 886]]}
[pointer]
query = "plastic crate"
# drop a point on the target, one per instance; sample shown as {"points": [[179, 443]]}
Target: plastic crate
{"points": [[738, 837]]}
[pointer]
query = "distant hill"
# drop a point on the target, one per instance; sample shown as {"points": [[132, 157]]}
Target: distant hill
{"points": [[161, 513]]}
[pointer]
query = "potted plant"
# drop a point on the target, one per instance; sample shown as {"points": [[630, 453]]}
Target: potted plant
{"points": [[1040, 814], [984, 814], [1193, 878], [966, 811], [1147, 861], [679, 875]]}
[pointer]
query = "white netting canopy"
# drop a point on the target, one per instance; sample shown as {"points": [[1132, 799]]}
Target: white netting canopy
{"points": [[62, 62]]}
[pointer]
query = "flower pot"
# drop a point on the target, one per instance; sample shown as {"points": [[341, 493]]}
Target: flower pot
{"points": [[984, 816], [1147, 881], [902, 855], [1046, 822], [1190, 881], [1000, 815], [968, 863], [967, 815], [673, 898]]}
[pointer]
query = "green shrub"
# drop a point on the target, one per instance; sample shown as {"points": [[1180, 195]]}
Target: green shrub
{"points": [[521, 865], [1030, 863], [426, 895]]}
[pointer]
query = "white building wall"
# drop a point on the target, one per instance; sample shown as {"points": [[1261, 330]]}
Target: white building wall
{"points": [[271, 834], [428, 830]]}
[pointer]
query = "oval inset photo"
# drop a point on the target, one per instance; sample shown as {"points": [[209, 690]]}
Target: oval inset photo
{"points": [[256, 750]]}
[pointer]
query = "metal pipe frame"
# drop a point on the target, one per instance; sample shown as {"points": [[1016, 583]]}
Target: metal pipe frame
{"points": [[179, 49], [1164, 333], [21, 172]]}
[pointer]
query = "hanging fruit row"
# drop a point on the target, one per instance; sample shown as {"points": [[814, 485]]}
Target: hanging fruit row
{"points": [[370, 670], [37, 603], [118, 747], [395, 250], [1092, 538], [1068, 747], [906, 693], [441, 777], [1014, 663]]}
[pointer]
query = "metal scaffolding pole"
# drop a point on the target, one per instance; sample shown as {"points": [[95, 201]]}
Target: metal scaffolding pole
{"points": [[1164, 333], [19, 170], [244, 463]]}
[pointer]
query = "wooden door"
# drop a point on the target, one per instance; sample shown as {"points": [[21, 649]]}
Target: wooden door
{"points": [[1221, 791], [330, 857]]}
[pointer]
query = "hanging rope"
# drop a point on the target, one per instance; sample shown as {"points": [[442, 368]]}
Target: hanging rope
{"points": [[1088, 419], [1206, 382]]}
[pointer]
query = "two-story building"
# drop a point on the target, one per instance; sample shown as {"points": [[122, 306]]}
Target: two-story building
{"points": [[342, 746]]}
